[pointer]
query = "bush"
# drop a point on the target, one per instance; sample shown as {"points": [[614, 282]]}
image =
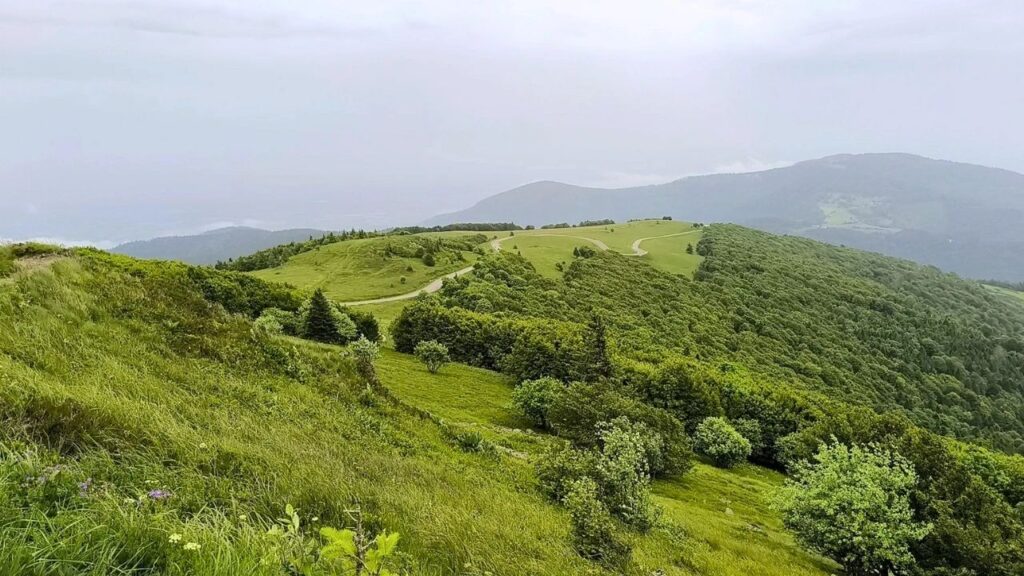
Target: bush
{"points": [[853, 505], [366, 324], [433, 354], [288, 321], [623, 471], [534, 398], [720, 442], [593, 533]]}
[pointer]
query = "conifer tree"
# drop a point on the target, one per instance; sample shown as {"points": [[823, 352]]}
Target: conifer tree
{"points": [[319, 323]]}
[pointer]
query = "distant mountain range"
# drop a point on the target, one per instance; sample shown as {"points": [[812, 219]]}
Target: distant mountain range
{"points": [[215, 245], [963, 218]]}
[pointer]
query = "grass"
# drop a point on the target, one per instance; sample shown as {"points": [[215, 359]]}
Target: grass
{"points": [[620, 237], [669, 254], [544, 252], [360, 270], [126, 383], [545, 248], [718, 521]]}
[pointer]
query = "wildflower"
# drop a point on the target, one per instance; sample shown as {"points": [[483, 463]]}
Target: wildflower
{"points": [[192, 546], [174, 538], [242, 517], [83, 487], [158, 494], [202, 445], [315, 518]]}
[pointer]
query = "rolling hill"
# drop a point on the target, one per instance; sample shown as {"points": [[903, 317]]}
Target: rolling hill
{"points": [[213, 246], [171, 436], [961, 217]]}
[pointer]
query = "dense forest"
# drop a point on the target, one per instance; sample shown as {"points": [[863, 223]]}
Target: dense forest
{"points": [[792, 339], [870, 329]]}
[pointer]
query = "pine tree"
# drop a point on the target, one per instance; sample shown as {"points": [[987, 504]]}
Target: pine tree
{"points": [[320, 324]]}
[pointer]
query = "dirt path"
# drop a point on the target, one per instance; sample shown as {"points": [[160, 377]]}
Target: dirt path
{"points": [[496, 243], [428, 289], [638, 251]]}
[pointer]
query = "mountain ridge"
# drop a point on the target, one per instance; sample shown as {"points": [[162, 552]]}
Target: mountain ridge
{"points": [[960, 216], [214, 245]]}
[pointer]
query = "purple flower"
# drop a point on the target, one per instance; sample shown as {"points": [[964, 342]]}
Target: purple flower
{"points": [[83, 487], [158, 494]]}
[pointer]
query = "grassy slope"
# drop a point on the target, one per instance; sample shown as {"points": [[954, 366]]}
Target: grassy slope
{"points": [[137, 384], [544, 252], [700, 536], [355, 270], [128, 407]]}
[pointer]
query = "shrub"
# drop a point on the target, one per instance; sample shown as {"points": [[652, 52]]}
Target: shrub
{"points": [[534, 398], [557, 468], [751, 430], [366, 324], [288, 321], [853, 505], [428, 259], [623, 471], [267, 324], [593, 532], [720, 442], [433, 354]]}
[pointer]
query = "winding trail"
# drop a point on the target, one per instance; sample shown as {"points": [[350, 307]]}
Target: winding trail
{"points": [[436, 284], [496, 243], [638, 251]]}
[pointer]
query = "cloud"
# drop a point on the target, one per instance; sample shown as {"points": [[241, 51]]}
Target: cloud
{"points": [[170, 17]]}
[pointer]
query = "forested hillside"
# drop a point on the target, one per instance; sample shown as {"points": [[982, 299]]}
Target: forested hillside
{"points": [[883, 332], [778, 346]]}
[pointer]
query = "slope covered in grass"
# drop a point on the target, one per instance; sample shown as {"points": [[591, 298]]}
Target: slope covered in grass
{"points": [[368, 268], [144, 429], [117, 383]]}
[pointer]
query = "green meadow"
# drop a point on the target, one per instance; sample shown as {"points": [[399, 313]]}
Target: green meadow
{"points": [[362, 269]]}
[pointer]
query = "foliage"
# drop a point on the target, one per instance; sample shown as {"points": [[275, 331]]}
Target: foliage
{"points": [[319, 322], [592, 527], [365, 323], [355, 552], [534, 398], [720, 442], [628, 452], [433, 354], [853, 504]]}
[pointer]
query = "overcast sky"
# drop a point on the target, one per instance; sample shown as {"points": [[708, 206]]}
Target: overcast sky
{"points": [[124, 119]]}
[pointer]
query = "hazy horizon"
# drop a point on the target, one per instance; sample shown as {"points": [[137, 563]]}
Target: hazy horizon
{"points": [[125, 121]]}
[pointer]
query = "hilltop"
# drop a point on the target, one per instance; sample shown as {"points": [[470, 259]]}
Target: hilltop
{"points": [[961, 217]]}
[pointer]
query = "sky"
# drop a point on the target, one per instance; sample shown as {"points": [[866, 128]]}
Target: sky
{"points": [[128, 119]]}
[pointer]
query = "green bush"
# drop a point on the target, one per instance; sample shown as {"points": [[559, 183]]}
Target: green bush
{"points": [[624, 471], [720, 442], [593, 532], [853, 505], [534, 398], [433, 354]]}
